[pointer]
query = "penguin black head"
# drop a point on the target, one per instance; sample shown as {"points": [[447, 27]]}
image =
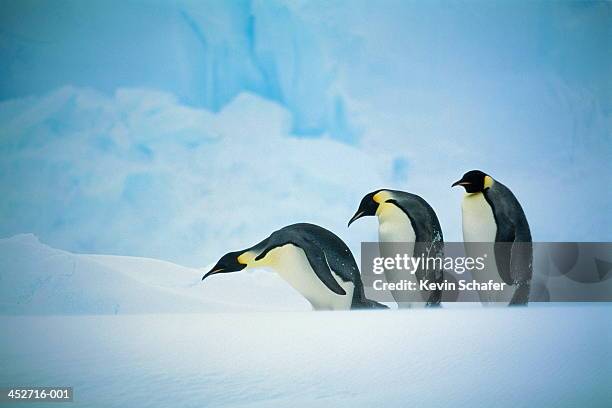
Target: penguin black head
{"points": [[369, 204], [228, 263], [474, 181]]}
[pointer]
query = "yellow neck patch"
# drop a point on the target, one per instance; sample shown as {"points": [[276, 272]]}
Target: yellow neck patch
{"points": [[246, 257], [385, 210], [271, 258], [488, 182], [382, 196]]}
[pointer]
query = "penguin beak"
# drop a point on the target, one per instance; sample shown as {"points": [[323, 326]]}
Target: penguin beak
{"points": [[367, 207], [212, 272], [357, 215], [460, 183], [228, 263]]}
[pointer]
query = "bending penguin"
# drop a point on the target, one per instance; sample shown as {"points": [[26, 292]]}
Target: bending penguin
{"points": [[313, 260], [492, 214], [407, 219]]}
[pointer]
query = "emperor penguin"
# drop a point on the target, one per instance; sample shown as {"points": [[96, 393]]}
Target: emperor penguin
{"points": [[492, 214], [313, 260], [409, 221]]}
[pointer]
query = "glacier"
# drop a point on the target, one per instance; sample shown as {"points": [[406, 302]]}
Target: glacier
{"points": [[204, 126], [89, 172], [139, 164], [205, 53]]}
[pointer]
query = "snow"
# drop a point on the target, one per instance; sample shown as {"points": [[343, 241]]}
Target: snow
{"points": [[521, 357], [128, 331], [37, 279]]}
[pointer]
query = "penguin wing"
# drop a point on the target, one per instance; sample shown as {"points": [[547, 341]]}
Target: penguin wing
{"points": [[512, 256], [320, 265], [521, 262], [504, 241]]}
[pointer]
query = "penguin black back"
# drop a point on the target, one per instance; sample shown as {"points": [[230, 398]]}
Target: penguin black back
{"points": [[513, 249], [512, 225], [422, 217]]}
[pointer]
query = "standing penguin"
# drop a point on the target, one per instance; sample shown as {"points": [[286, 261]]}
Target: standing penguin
{"points": [[313, 260], [491, 213], [407, 219]]}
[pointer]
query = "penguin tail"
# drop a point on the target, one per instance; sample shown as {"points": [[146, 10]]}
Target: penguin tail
{"points": [[367, 304], [521, 294], [360, 301], [434, 299]]}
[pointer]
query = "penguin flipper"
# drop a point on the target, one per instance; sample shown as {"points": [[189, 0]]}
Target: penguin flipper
{"points": [[514, 260], [318, 263], [513, 248], [521, 261], [514, 255]]}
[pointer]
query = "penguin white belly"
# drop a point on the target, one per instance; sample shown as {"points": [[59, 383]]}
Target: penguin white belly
{"points": [[395, 226], [291, 263], [479, 232], [478, 220]]}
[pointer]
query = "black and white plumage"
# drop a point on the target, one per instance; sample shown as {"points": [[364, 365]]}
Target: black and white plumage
{"points": [[406, 219], [313, 260], [492, 214]]}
